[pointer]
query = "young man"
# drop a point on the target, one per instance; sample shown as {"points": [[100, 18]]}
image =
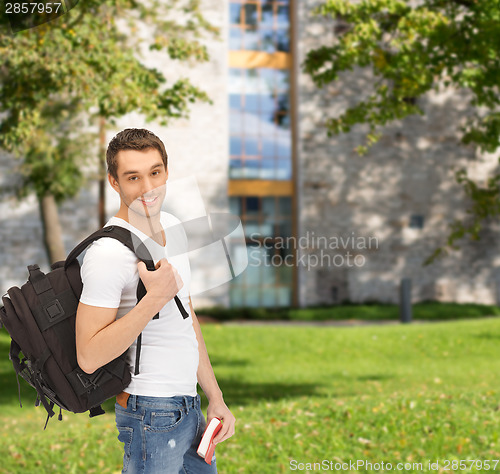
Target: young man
{"points": [[158, 416]]}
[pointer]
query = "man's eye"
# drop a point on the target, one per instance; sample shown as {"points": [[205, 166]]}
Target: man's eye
{"points": [[155, 173], [132, 178]]}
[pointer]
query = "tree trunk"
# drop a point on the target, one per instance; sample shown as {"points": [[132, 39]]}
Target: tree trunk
{"points": [[51, 228], [102, 172]]}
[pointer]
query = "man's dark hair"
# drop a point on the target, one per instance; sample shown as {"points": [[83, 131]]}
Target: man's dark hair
{"points": [[132, 139]]}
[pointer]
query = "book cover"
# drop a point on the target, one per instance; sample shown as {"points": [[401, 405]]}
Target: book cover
{"points": [[206, 447]]}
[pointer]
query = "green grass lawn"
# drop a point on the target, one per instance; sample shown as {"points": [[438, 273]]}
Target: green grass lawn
{"points": [[392, 394]]}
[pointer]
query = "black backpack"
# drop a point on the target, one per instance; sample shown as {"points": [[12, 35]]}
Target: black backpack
{"points": [[40, 318]]}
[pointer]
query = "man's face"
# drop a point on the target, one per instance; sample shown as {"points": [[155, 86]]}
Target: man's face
{"points": [[141, 181]]}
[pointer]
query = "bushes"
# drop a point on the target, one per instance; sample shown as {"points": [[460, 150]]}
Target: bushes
{"points": [[430, 310]]}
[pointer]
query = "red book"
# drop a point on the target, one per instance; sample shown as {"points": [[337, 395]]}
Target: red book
{"points": [[207, 446]]}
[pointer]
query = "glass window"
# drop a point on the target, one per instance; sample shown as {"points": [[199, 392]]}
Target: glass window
{"points": [[285, 206], [251, 146], [283, 169], [268, 297], [252, 169], [284, 228], [283, 16], [235, 13], [261, 146], [252, 296], [235, 39], [269, 275], [251, 102], [283, 40], [251, 40], [235, 205], [235, 123], [236, 294], [235, 146], [268, 149], [268, 77], [251, 227], [236, 82], [267, 19], [251, 205], [268, 208], [282, 80], [267, 42], [283, 103], [284, 121], [284, 150], [251, 15], [234, 101], [284, 296], [267, 104]]}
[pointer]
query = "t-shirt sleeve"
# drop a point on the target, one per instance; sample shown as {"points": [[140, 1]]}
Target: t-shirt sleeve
{"points": [[106, 269]]}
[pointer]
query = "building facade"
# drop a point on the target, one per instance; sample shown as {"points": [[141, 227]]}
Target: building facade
{"points": [[322, 225]]}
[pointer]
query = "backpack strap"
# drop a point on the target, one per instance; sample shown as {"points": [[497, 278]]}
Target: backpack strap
{"points": [[133, 243]]}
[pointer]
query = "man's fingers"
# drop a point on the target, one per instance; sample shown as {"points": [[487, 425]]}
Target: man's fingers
{"points": [[226, 432]]}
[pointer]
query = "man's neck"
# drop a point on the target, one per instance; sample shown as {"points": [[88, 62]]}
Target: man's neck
{"points": [[151, 226]]}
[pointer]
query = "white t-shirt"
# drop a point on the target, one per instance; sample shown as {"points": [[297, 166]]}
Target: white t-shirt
{"points": [[169, 353]]}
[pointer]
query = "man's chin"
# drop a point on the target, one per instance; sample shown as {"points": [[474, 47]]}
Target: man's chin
{"points": [[140, 210]]}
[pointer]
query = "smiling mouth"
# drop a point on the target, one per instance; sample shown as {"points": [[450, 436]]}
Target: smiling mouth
{"points": [[148, 201]]}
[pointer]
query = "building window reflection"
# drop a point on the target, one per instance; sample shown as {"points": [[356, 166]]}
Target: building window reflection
{"points": [[267, 281], [260, 146], [260, 142], [259, 26]]}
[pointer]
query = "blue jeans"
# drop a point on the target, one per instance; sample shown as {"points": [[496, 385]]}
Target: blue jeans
{"points": [[161, 435]]}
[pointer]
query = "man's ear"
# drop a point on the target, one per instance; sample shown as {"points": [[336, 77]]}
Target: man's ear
{"points": [[114, 183]]}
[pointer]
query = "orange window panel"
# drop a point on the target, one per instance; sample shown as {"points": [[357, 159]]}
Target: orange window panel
{"points": [[259, 187]]}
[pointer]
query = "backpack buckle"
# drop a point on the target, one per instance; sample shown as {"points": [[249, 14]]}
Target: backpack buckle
{"points": [[84, 380], [53, 310], [89, 380]]}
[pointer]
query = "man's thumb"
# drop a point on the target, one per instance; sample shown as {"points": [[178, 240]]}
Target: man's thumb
{"points": [[141, 266]]}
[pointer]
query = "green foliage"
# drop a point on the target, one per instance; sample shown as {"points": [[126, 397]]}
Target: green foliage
{"points": [[429, 310], [88, 63], [412, 49]]}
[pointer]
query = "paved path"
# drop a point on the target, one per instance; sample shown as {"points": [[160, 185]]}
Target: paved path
{"points": [[347, 322]]}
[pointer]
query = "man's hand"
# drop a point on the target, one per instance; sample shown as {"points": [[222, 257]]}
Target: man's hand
{"points": [[220, 410], [163, 283]]}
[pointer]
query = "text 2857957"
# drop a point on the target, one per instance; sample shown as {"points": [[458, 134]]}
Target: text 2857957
{"points": [[31, 7]]}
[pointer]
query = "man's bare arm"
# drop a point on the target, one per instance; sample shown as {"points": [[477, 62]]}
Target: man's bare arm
{"points": [[208, 383], [100, 338]]}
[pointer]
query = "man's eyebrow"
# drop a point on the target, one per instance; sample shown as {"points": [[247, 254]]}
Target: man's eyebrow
{"points": [[125, 173]]}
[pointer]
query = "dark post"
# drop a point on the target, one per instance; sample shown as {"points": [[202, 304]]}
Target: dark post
{"points": [[405, 300]]}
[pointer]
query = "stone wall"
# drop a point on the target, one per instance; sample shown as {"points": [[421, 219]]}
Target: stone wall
{"points": [[409, 172]]}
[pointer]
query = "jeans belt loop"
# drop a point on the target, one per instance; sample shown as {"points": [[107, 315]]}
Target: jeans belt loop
{"points": [[186, 402], [133, 402]]}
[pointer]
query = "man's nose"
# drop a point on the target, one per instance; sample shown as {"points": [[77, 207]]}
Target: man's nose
{"points": [[147, 186]]}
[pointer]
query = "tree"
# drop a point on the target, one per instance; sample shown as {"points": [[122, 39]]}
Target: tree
{"points": [[412, 48], [64, 77]]}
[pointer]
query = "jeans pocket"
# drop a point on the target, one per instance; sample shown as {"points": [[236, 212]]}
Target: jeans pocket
{"points": [[125, 434], [165, 420]]}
